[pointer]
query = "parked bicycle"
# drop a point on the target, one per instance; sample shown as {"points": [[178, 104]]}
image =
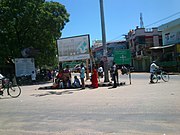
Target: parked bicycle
{"points": [[160, 74], [12, 87]]}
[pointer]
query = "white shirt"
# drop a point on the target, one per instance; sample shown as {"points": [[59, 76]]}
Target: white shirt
{"points": [[33, 76], [100, 69], [153, 67], [82, 72]]}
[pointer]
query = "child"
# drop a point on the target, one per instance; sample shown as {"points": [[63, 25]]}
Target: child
{"points": [[76, 82]]}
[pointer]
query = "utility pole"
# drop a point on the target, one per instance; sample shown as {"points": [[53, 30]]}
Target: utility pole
{"points": [[106, 76]]}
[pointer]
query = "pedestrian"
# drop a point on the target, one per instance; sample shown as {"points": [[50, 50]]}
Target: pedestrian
{"points": [[117, 75], [1, 81], [100, 72], [33, 77], [153, 69], [82, 76], [114, 70], [94, 77]]}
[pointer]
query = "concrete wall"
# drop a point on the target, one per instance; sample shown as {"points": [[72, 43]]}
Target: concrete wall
{"points": [[171, 32]]}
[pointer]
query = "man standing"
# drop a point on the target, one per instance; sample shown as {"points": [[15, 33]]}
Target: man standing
{"points": [[82, 75], [114, 73], [1, 77], [100, 72]]}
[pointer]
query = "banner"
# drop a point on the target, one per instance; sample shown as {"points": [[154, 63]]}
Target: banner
{"points": [[24, 66], [73, 48]]}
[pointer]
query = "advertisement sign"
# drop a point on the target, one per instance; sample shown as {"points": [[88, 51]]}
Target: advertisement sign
{"points": [[73, 48], [122, 57], [24, 66]]}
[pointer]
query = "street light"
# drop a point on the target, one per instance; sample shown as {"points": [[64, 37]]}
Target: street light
{"points": [[106, 76]]}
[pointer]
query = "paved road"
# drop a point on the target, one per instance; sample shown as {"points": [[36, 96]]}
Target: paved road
{"points": [[137, 109]]}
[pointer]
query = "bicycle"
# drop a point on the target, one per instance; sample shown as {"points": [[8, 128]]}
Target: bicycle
{"points": [[12, 87], [160, 74]]}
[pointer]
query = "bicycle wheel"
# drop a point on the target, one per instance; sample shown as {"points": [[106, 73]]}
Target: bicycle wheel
{"points": [[155, 78], [14, 90], [165, 76]]}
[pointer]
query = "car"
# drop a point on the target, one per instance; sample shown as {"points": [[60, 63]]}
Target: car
{"points": [[76, 68]]}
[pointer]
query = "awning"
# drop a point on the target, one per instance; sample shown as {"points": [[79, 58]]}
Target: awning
{"points": [[161, 47]]}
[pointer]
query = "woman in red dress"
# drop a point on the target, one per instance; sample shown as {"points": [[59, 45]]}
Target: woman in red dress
{"points": [[94, 77]]}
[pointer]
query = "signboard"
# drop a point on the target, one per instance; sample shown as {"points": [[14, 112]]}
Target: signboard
{"points": [[73, 48], [122, 57], [71, 64], [24, 66]]}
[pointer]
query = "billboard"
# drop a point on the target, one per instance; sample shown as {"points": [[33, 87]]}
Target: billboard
{"points": [[122, 57], [73, 48], [24, 66]]}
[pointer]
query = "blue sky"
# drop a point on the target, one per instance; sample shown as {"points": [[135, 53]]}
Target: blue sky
{"points": [[120, 16]]}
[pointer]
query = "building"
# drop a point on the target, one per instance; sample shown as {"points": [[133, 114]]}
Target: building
{"points": [[97, 50], [168, 55], [139, 42]]}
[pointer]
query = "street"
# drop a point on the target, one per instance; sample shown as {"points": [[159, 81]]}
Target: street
{"points": [[137, 109]]}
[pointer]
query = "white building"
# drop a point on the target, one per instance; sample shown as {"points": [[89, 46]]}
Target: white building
{"points": [[171, 45], [139, 41]]}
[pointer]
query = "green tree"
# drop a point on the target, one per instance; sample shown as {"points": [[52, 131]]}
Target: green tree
{"points": [[31, 23]]}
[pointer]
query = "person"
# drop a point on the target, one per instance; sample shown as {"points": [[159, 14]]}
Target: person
{"points": [[153, 68], [76, 82], [1, 78], [94, 77], [33, 77], [114, 74], [49, 75], [82, 75], [117, 75], [100, 72], [59, 79], [67, 77]]}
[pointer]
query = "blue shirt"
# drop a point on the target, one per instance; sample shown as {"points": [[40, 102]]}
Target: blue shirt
{"points": [[82, 72]]}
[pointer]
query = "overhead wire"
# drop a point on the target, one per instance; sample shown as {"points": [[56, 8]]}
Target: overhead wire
{"points": [[163, 19], [150, 24]]}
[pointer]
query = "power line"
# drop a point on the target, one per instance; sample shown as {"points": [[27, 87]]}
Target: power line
{"points": [[151, 23], [163, 19], [115, 38]]}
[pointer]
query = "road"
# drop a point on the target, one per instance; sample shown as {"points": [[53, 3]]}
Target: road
{"points": [[137, 109]]}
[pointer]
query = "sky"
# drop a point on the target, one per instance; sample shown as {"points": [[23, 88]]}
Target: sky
{"points": [[120, 16]]}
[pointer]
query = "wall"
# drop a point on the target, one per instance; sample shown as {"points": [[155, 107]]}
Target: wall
{"points": [[171, 32], [171, 36]]}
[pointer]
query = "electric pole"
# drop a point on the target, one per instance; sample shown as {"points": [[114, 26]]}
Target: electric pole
{"points": [[106, 76]]}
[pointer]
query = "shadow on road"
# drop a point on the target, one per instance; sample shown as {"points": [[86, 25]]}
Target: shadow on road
{"points": [[56, 93]]}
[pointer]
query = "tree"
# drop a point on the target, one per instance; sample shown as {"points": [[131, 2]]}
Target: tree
{"points": [[31, 24]]}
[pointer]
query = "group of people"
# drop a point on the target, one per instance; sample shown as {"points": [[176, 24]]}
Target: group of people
{"points": [[63, 79]]}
